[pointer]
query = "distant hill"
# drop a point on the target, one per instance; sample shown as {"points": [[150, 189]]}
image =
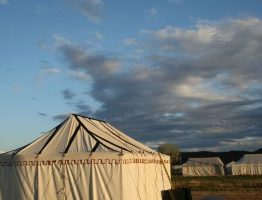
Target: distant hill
{"points": [[258, 151], [226, 157]]}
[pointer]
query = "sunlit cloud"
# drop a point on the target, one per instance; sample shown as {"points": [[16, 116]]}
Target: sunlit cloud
{"points": [[197, 90]]}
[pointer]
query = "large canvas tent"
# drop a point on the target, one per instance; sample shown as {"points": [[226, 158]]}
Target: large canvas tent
{"points": [[249, 164], [83, 158], [211, 166]]}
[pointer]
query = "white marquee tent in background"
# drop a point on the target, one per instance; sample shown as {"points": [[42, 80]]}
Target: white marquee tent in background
{"points": [[83, 158], [249, 164], [211, 166]]}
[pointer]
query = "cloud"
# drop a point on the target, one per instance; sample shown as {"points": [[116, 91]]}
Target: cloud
{"points": [[244, 143], [79, 75], [99, 36], [90, 8], [42, 114], [46, 72], [50, 70], [68, 94], [79, 58], [4, 2], [152, 12], [60, 117], [176, 1], [202, 92], [130, 41]]}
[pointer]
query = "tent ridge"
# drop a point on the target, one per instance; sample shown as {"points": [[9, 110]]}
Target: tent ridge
{"points": [[93, 135], [100, 120], [52, 136], [121, 138], [72, 138], [103, 130]]}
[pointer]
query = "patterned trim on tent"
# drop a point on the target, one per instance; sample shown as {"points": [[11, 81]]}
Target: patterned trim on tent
{"points": [[84, 161]]}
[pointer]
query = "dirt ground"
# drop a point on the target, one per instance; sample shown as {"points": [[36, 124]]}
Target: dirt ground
{"points": [[228, 195]]}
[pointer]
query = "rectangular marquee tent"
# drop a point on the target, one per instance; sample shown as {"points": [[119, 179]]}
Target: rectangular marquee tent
{"points": [[83, 158], [249, 164], [211, 166]]}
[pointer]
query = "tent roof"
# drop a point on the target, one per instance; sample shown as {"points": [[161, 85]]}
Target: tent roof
{"points": [[250, 159], [203, 161], [81, 134]]}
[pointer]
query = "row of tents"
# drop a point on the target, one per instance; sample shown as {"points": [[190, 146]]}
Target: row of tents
{"points": [[86, 158], [249, 164]]}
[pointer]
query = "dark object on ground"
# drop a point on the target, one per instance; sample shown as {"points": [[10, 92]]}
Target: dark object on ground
{"points": [[213, 197], [178, 194]]}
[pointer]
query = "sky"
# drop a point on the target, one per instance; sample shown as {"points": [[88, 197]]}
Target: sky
{"points": [[184, 72]]}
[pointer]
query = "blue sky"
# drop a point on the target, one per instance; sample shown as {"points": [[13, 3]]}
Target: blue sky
{"points": [[181, 71]]}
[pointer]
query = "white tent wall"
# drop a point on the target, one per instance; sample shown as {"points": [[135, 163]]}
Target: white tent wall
{"points": [[85, 176], [249, 164], [247, 169], [211, 166], [204, 170], [145, 181]]}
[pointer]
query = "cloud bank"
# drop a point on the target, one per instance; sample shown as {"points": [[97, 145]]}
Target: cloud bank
{"points": [[199, 88]]}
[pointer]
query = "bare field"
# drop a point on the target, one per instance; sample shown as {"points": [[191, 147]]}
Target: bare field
{"points": [[229, 187]]}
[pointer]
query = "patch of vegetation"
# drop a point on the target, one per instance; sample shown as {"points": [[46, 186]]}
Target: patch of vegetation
{"points": [[219, 183]]}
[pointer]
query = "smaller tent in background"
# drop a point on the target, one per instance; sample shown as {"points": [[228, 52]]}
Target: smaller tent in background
{"points": [[229, 167], [211, 166], [177, 169], [249, 164]]}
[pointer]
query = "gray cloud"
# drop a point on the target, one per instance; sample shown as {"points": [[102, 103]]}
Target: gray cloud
{"points": [[78, 75], [90, 8], [42, 114], [199, 88], [68, 94], [79, 58], [60, 117]]}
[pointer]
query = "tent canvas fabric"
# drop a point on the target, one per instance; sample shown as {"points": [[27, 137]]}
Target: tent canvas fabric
{"points": [[211, 166], [229, 167], [177, 169], [249, 164], [83, 158]]}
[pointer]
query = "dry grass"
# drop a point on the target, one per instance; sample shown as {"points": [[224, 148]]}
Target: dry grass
{"points": [[229, 195], [229, 187]]}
